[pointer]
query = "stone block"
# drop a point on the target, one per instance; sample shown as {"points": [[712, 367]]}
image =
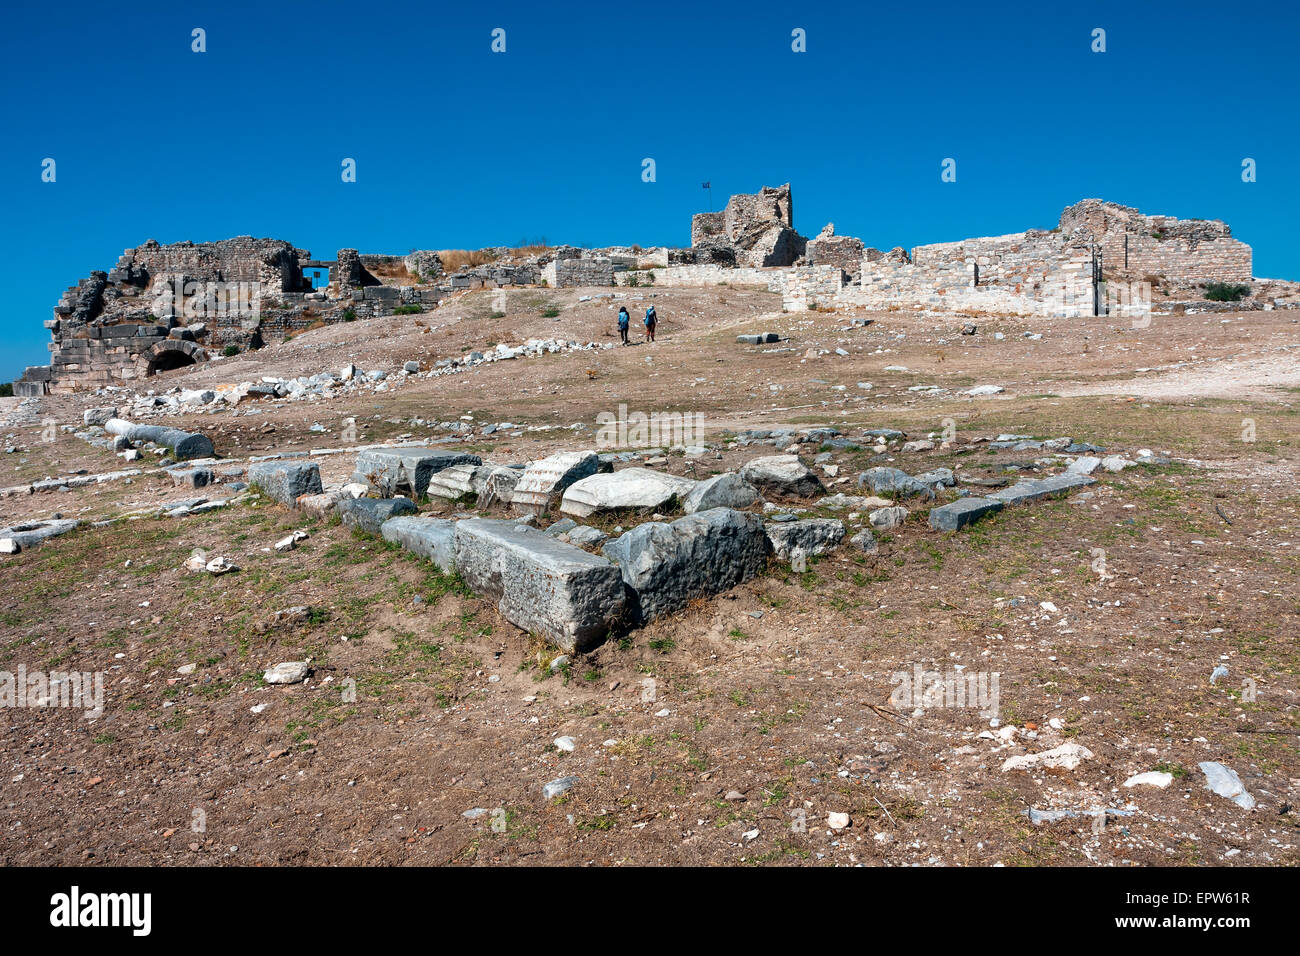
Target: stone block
{"points": [[369, 514], [810, 536], [395, 470], [432, 538], [727, 490], [1033, 489], [959, 514], [285, 481], [782, 475], [545, 480], [666, 565], [540, 584], [629, 488]]}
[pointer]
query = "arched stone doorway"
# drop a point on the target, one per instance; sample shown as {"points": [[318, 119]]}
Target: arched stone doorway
{"points": [[170, 355]]}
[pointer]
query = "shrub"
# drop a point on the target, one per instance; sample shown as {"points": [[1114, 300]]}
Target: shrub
{"points": [[6, 389], [496, 315], [349, 314], [1226, 291], [550, 312], [407, 310], [230, 351]]}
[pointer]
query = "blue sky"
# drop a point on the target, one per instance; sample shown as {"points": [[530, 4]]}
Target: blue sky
{"points": [[458, 147]]}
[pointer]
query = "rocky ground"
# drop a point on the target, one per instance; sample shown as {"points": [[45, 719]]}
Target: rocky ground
{"points": [[761, 726]]}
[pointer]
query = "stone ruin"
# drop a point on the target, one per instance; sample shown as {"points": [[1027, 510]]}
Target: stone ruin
{"points": [[166, 306], [1181, 252], [757, 228]]}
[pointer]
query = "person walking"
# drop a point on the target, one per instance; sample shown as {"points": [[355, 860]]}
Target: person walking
{"points": [[624, 320], [651, 320]]}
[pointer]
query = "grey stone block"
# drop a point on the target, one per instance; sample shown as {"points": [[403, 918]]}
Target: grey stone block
{"points": [[884, 480], [666, 565], [193, 477], [369, 514], [545, 480], [540, 584], [629, 488], [285, 482], [811, 536], [1033, 489], [34, 532], [782, 475], [432, 538], [390, 471], [727, 490], [959, 514]]}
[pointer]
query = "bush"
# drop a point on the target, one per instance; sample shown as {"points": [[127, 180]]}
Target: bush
{"points": [[1226, 291], [407, 310], [349, 314], [230, 351], [496, 315], [550, 312], [6, 389]]}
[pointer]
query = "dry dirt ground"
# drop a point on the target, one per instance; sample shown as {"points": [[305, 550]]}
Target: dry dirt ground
{"points": [[725, 734]]}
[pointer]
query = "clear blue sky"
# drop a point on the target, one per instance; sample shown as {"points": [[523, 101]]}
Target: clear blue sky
{"points": [[458, 147]]}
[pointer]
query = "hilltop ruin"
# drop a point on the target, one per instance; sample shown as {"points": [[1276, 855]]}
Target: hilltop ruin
{"points": [[166, 306]]}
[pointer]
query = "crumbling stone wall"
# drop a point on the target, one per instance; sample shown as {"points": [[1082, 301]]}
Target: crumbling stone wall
{"points": [[759, 227], [846, 252], [567, 273], [1031, 273], [350, 273], [159, 307], [809, 286], [1184, 251]]}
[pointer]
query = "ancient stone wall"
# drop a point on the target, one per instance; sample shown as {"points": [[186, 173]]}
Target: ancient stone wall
{"points": [[708, 274], [568, 273], [1032, 273], [1183, 251], [759, 227], [846, 252], [160, 307], [810, 286]]}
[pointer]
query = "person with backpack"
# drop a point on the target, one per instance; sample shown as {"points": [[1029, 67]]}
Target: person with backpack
{"points": [[651, 320], [624, 320]]}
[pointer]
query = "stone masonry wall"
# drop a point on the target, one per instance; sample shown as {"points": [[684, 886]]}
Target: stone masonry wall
{"points": [[1034, 273], [1184, 251], [568, 273], [151, 310]]}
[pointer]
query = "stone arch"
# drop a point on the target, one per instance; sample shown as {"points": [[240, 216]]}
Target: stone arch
{"points": [[168, 355]]}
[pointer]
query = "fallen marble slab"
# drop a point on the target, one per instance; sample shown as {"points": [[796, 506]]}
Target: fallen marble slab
{"points": [[20, 536], [1035, 489], [369, 514], [546, 479], [285, 481], [629, 488], [781, 474], [727, 490], [959, 514], [541, 585], [665, 565], [432, 538], [810, 536], [395, 469]]}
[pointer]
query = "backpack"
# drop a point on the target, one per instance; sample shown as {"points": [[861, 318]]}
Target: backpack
{"points": [[650, 317], [623, 318]]}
